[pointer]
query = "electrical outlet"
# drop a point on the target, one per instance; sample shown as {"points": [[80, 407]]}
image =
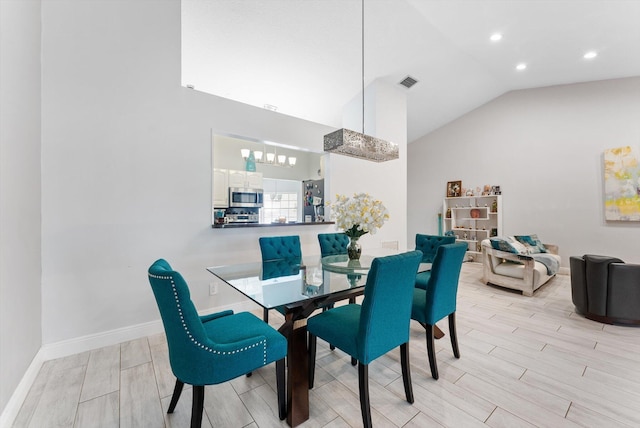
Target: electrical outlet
{"points": [[213, 288]]}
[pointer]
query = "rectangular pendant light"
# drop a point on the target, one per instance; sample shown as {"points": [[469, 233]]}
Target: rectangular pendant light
{"points": [[351, 143]]}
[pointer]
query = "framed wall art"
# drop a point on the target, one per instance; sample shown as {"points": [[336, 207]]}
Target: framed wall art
{"points": [[454, 188], [622, 184]]}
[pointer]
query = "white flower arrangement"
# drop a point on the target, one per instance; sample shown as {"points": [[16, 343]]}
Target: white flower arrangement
{"points": [[358, 215]]}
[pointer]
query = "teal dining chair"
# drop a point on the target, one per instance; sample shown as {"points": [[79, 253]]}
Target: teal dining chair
{"points": [[429, 245], [438, 300], [378, 325], [215, 348], [332, 244], [275, 248]]}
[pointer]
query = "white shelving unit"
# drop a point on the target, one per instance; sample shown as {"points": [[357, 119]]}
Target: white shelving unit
{"points": [[472, 219]]}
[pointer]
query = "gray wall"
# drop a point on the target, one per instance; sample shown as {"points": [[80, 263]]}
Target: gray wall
{"points": [[544, 147], [20, 302]]}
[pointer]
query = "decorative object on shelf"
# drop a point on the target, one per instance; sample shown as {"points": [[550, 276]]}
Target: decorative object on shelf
{"points": [[622, 184], [448, 215], [250, 163], [486, 190], [354, 144], [469, 192], [454, 188], [357, 216], [473, 219]]}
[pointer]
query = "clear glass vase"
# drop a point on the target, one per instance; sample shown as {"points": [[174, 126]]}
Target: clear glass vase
{"points": [[354, 250]]}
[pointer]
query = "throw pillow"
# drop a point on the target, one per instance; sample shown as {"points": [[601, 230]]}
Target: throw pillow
{"points": [[508, 244], [533, 244]]}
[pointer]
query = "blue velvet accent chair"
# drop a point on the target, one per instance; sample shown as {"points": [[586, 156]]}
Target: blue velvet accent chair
{"points": [[429, 244], [332, 244], [378, 325], [439, 298], [279, 248], [215, 348]]}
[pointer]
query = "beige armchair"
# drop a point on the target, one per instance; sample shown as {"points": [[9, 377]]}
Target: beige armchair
{"points": [[515, 271]]}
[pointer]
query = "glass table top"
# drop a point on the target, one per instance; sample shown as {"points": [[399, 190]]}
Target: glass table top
{"points": [[291, 281]]}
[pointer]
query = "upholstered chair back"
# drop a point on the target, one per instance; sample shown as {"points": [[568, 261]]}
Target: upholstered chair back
{"points": [[429, 244], [386, 308], [442, 287], [332, 244], [280, 247]]}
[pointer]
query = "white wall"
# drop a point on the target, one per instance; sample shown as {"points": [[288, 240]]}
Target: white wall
{"points": [[126, 167], [544, 147], [20, 305]]}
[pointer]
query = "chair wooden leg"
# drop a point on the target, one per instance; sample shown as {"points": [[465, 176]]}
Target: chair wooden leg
{"points": [[177, 390], [312, 359], [280, 385], [197, 406], [265, 315], [406, 371], [363, 384], [431, 352], [454, 335]]}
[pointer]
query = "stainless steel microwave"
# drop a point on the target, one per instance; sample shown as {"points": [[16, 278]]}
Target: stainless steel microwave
{"points": [[241, 197]]}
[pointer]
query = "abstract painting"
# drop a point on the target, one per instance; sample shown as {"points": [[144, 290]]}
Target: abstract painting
{"points": [[622, 184]]}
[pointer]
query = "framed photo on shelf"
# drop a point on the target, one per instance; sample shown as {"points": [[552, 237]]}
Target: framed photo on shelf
{"points": [[454, 188]]}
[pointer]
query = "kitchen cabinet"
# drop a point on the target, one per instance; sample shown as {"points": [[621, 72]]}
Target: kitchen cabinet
{"points": [[245, 179], [472, 219], [220, 188]]}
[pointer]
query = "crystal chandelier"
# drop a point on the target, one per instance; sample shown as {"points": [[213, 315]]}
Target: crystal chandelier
{"points": [[359, 145]]}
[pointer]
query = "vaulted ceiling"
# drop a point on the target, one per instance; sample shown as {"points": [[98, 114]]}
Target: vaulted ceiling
{"points": [[304, 58]]}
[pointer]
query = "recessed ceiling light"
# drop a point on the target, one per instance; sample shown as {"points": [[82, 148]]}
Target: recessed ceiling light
{"points": [[590, 55], [495, 37], [521, 66]]}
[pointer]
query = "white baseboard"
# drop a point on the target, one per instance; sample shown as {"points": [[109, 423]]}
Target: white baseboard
{"points": [[87, 343], [14, 404]]}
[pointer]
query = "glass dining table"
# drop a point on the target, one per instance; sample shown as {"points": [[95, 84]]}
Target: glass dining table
{"points": [[297, 287]]}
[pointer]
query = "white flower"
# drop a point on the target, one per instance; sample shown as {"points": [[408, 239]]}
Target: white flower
{"points": [[358, 215]]}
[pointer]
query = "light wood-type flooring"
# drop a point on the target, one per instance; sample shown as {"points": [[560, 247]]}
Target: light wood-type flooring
{"points": [[525, 362]]}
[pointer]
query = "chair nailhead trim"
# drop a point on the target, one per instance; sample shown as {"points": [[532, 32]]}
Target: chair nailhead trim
{"points": [[197, 343]]}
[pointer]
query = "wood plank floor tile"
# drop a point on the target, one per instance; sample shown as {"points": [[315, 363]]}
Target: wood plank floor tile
{"points": [[139, 399], [500, 418], [103, 373], [422, 421], [262, 404], [526, 409], [59, 401], [134, 352], [224, 407], [99, 412], [582, 393], [589, 418]]}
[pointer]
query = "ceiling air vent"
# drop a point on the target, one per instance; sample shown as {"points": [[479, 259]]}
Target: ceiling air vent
{"points": [[408, 82]]}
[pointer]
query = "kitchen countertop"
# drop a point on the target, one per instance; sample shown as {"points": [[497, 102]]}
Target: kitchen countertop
{"points": [[246, 225]]}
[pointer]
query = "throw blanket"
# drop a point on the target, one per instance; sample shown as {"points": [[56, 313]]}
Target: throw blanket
{"points": [[550, 262]]}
